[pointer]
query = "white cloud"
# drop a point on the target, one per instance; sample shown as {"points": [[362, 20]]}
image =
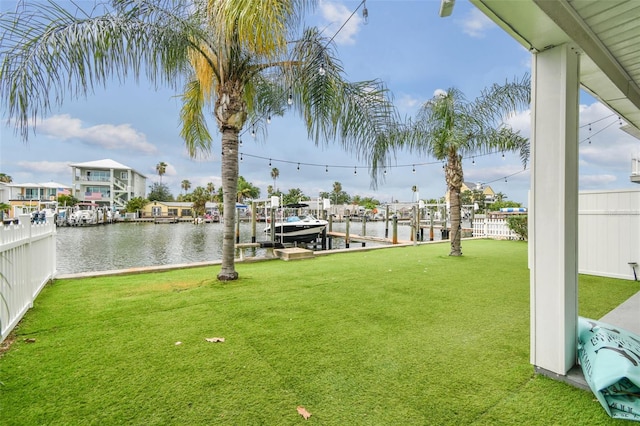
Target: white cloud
{"points": [[476, 24], [594, 181], [521, 122], [408, 104], [337, 14], [48, 167], [107, 136]]}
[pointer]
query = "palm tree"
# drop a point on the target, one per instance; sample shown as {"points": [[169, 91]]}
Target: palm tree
{"points": [[185, 185], [448, 127], [237, 57], [246, 190], [211, 189], [161, 168], [275, 174], [5, 178]]}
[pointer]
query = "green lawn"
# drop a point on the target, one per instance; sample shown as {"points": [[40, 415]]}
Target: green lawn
{"points": [[402, 336]]}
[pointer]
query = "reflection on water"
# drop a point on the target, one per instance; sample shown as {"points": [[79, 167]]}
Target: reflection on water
{"points": [[128, 245]]}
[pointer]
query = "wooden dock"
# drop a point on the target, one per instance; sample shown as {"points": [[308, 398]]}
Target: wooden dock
{"points": [[364, 238]]}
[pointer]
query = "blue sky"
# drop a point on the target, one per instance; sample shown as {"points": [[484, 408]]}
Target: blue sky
{"points": [[405, 44]]}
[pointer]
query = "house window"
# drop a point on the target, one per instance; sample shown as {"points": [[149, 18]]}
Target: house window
{"points": [[172, 212], [186, 212], [124, 175], [156, 211]]}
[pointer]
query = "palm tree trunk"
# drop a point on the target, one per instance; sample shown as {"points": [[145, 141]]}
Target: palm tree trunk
{"points": [[229, 190], [454, 177]]}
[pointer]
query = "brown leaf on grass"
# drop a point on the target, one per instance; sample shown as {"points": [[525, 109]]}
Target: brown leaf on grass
{"points": [[215, 339], [30, 340], [303, 412]]}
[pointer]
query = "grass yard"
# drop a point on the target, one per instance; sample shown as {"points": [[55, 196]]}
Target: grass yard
{"points": [[399, 336]]}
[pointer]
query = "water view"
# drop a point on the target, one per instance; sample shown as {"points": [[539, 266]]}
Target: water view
{"points": [[129, 245]]}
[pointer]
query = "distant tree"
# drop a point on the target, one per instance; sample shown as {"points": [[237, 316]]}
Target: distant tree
{"points": [[161, 168], [246, 190], [520, 225], [494, 207], [199, 198], [4, 210], [5, 178], [159, 192], [67, 200], [368, 203], [211, 189], [275, 174], [185, 185], [499, 197], [295, 195], [338, 196], [135, 204]]}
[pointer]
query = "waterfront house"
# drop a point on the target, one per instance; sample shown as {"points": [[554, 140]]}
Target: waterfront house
{"points": [[107, 183], [167, 209], [26, 197]]}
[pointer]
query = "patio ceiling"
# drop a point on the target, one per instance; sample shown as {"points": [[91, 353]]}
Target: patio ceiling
{"points": [[606, 33]]}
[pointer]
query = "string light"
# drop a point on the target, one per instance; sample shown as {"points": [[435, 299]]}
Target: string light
{"points": [[326, 169], [414, 169], [290, 99], [298, 166], [269, 162], [269, 119], [355, 170], [253, 132], [473, 160], [321, 70], [365, 13], [241, 157]]}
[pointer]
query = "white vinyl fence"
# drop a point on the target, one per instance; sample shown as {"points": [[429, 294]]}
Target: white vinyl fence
{"points": [[27, 263], [492, 228]]}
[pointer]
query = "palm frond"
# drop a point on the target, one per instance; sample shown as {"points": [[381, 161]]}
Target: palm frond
{"points": [[49, 54], [194, 129]]}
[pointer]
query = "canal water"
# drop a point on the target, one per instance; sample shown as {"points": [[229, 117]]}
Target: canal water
{"points": [[132, 244]]}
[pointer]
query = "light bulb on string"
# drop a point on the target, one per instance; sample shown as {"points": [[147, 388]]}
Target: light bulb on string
{"points": [[253, 132], [321, 70], [589, 126], [589, 140], [385, 171], [241, 157], [269, 162], [505, 179], [414, 169], [290, 99], [298, 166], [503, 155], [473, 160], [619, 120], [326, 169], [355, 170], [269, 119], [365, 13]]}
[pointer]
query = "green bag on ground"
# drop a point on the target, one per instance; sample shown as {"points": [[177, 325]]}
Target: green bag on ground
{"points": [[610, 360]]}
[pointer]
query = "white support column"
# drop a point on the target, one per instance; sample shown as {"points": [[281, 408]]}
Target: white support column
{"points": [[553, 226]]}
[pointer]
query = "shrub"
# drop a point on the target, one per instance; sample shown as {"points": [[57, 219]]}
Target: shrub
{"points": [[519, 224]]}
